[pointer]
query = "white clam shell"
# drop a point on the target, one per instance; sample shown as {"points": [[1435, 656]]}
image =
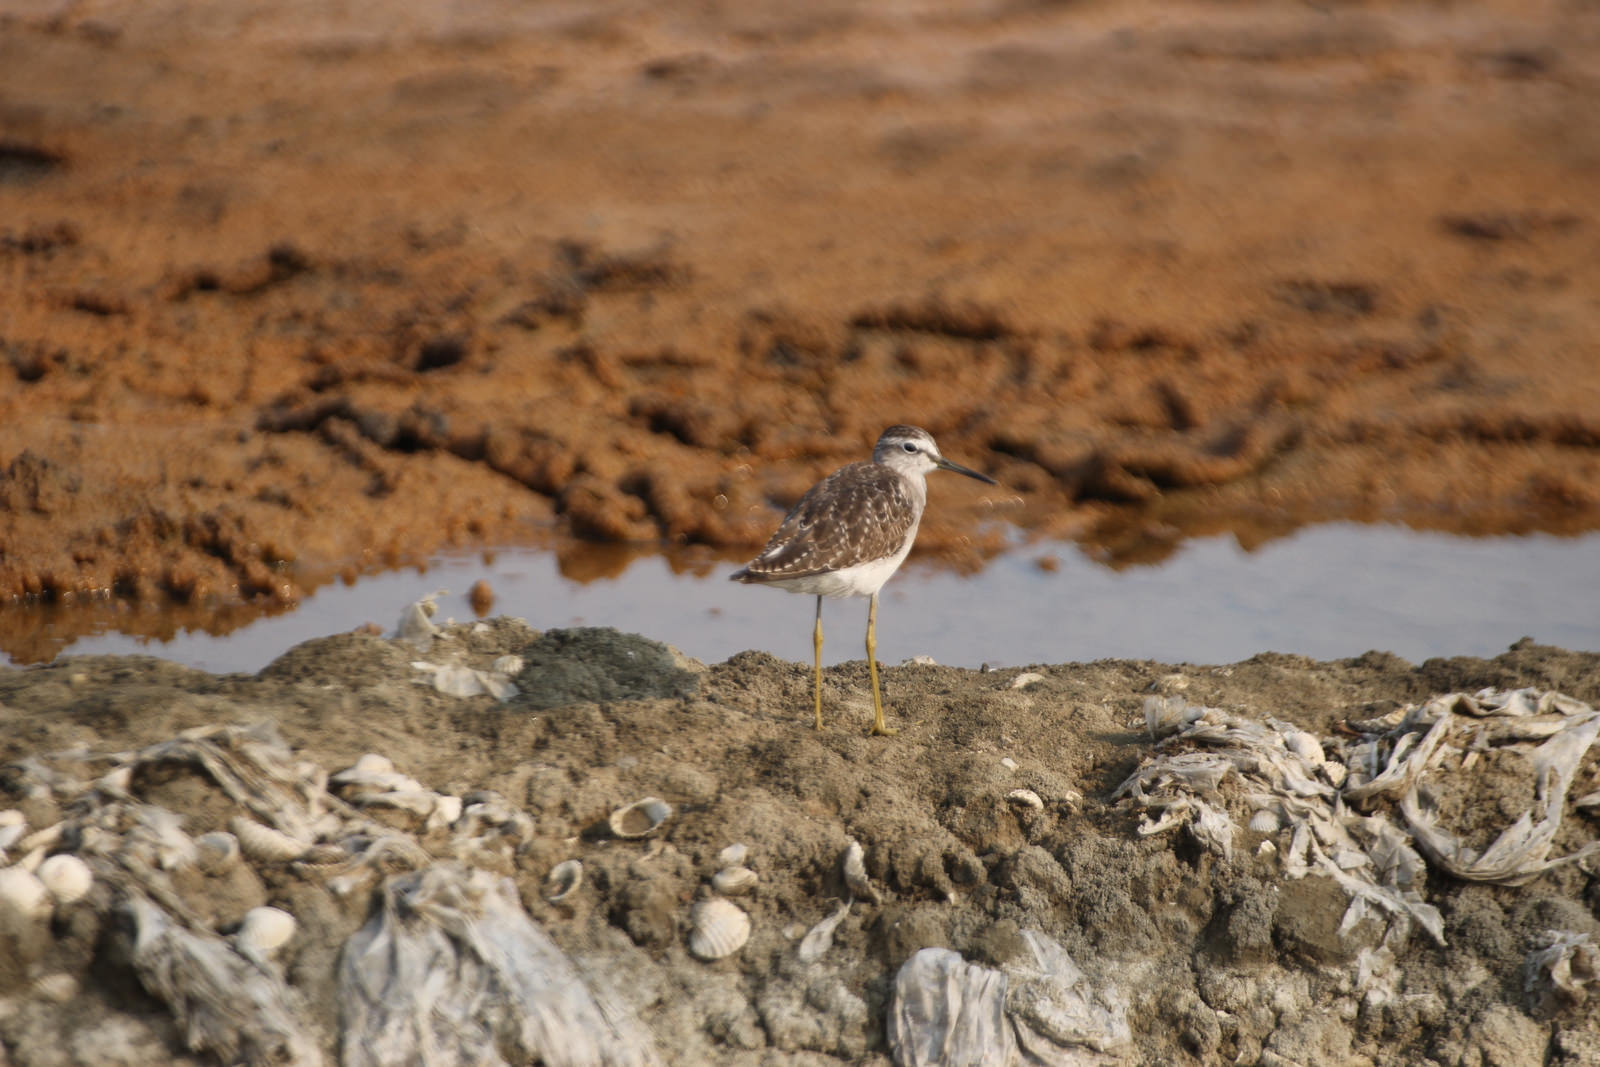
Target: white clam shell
{"points": [[265, 843], [1306, 746], [23, 893], [59, 987], [563, 880], [855, 872], [216, 852], [717, 928], [641, 818], [1025, 798], [733, 856], [446, 810], [264, 931], [734, 881], [372, 763], [1266, 821], [67, 878]]}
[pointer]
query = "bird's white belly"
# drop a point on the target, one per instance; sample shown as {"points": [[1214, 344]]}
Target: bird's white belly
{"points": [[859, 579]]}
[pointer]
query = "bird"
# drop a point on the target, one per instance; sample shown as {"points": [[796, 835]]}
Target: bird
{"points": [[850, 533]]}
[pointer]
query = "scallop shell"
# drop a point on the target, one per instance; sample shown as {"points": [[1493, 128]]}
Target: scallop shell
{"points": [[264, 931], [734, 881], [60, 987], [23, 893], [562, 881], [1306, 746], [641, 818], [216, 852], [1265, 821], [855, 872], [265, 843], [1025, 798], [717, 928], [733, 855], [67, 877]]}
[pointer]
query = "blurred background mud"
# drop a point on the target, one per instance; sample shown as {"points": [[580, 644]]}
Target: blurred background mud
{"points": [[292, 290]]}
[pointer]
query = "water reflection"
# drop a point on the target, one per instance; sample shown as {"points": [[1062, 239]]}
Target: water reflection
{"points": [[1326, 591]]}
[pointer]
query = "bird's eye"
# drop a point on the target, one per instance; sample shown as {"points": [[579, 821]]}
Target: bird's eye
{"points": [[909, 446]]}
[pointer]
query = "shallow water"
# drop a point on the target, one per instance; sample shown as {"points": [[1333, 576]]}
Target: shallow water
{"points": [[1327, 591]]}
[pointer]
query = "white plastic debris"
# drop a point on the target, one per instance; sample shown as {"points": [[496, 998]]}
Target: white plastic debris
{"points": [[452, 970], [453, 679], [1562, 972], [946, 1012], [416, 626], [1038, 1009], [224, 1003], [1379, 863], [1458, 722]]}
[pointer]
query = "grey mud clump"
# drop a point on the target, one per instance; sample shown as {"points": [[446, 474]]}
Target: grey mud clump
{"points": [[597, 664]]}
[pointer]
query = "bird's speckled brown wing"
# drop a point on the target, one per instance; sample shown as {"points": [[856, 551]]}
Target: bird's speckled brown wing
{"points": [[858, 513]]}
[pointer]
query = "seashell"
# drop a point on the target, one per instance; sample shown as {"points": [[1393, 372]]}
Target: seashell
{"points": [[12, 826], [717, 928], [115, 783], [1008, 763], [641, 818], [325, 855], [819, 939], [1335, 773], [23, 894], [734, 881], [263, 931], [60, 987], [733, 855], [508, 665], [67, 877], [1306, 746], [46, 837], [369, 764], [562, 881], [216, 852], [446, 810], [1266, 821], [264, 843], [855, 872], [1025, 798], [1380, 725]]}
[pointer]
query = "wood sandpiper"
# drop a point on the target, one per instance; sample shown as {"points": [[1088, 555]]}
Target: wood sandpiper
{"points": [[850, 532]]}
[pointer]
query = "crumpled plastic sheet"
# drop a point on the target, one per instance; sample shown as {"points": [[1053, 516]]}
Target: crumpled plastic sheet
{"points": [[226, 1004], [451, 970], [1561, 972], [416, 627], [1521, 852], [457, 680], [1278, 771], [1377, 862], [1039, 1009]]}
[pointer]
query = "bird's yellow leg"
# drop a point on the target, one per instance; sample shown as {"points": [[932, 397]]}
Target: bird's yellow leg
{"points": [[879, 729], [816, 639]]}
